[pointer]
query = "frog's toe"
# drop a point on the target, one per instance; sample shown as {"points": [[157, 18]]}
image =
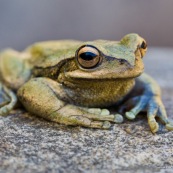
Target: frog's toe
{"points": [[130, 115], [99, 111], [99, 124], [169, 126], [85, 121], [104, 112], [102, 115], [93, 110], [118, 118], [154, 126], [106, 125]]}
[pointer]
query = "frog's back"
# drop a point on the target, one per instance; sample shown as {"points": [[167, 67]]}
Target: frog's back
{"points": [[49, 53]]}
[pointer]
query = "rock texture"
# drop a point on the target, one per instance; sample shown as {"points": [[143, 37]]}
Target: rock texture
{"points": [[30, 144]]}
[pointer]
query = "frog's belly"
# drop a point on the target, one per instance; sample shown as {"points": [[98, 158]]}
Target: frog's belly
{"points": [[99, 93]]}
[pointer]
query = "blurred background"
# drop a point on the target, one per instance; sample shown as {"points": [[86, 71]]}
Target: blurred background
{"points": [[25, 22]]}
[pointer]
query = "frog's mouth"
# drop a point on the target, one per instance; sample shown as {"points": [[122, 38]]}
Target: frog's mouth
{"points": [[103, 75], [109, 71]]}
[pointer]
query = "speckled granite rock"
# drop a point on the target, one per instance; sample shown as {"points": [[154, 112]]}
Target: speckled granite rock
{"points": [[30, 144]]}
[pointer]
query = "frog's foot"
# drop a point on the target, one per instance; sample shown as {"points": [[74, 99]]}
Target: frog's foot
{"points": [[7, 100], [92, 117], [105, 114], [73, 115], [154, 108]]}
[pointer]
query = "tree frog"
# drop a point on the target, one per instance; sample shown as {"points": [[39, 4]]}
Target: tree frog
{"points": [[74, 83]]}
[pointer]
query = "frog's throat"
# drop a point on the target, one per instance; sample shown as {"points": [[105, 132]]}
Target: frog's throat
{"points": [[96, 93]]}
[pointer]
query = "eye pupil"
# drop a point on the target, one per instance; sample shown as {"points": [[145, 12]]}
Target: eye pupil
{"points": [[88, 56]]}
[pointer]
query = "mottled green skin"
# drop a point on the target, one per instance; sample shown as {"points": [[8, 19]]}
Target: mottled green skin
{"points": [[50, 83]]}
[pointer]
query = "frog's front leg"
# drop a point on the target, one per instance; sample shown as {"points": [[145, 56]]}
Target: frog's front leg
{"points": [[40, 97], [150, 101]]}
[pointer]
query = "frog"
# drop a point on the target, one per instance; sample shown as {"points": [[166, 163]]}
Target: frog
{"points": [[75, 83]]}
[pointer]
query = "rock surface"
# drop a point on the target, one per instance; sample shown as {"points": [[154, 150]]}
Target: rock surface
{"points": [[31, 144]]}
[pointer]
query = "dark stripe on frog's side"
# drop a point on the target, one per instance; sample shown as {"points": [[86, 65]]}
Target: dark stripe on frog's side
{"points": [[51, 72]]}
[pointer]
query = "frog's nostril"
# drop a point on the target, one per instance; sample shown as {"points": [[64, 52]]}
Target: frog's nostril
{"points": [[122, 61]]}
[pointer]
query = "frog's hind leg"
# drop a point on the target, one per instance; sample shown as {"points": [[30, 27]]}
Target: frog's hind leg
{"points": [[7, 100], [14, 69]]}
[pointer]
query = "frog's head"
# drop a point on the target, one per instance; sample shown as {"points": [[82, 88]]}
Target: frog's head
{"points": [[103, 59]]}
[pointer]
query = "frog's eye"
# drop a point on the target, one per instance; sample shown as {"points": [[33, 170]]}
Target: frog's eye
{"points": [[144, 45], [88, 56]]}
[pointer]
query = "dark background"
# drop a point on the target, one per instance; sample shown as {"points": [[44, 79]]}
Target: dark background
{"points": [[23, 22]]}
